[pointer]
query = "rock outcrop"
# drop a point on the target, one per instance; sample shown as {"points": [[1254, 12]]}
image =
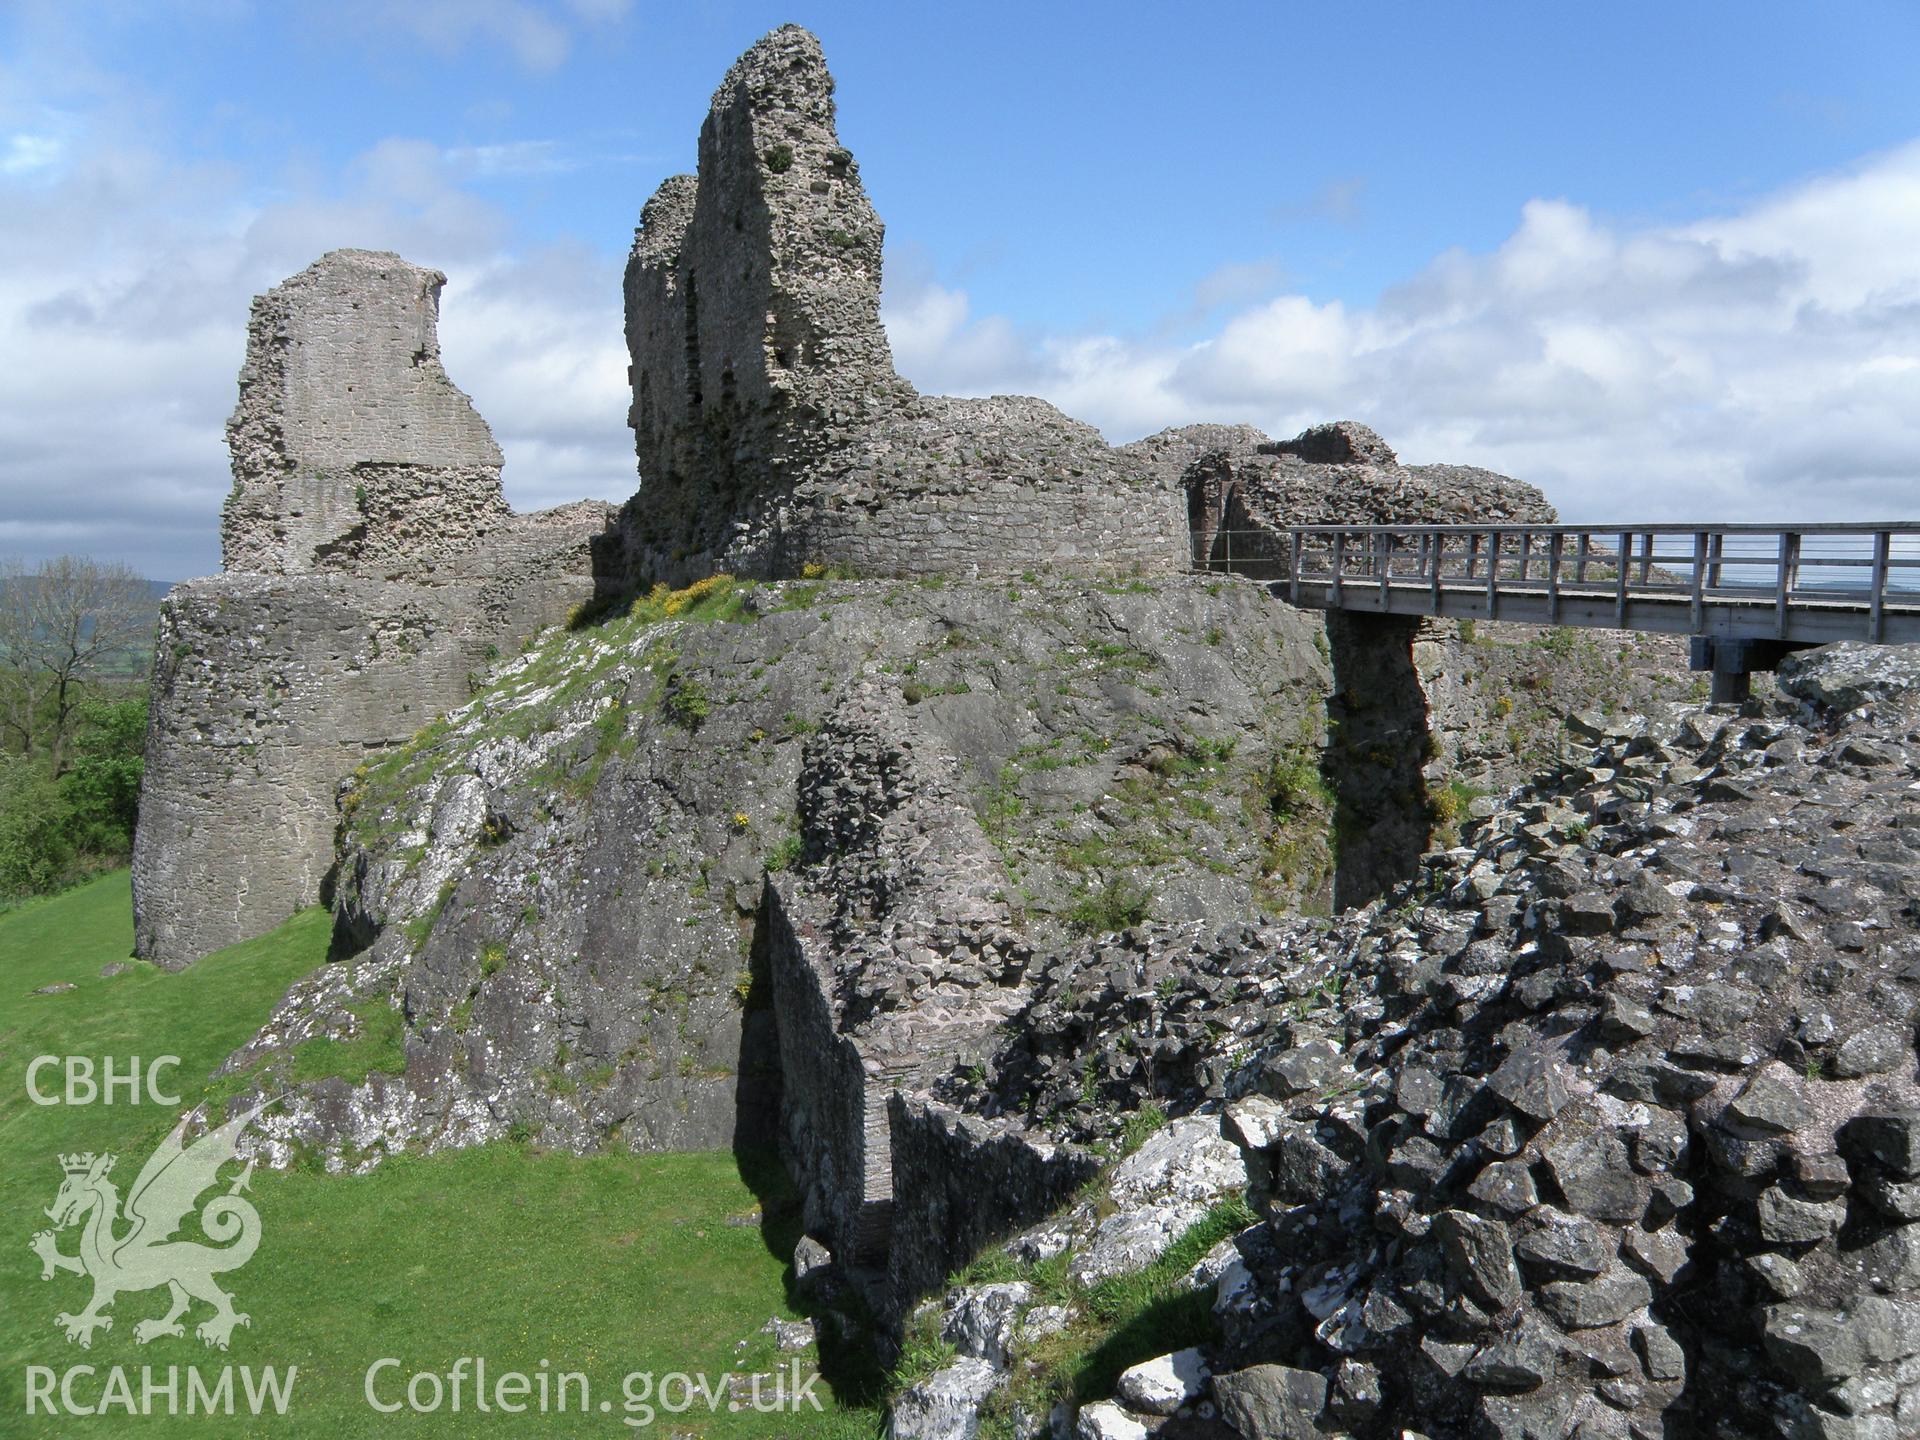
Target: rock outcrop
{"points": [[863, 808], [372, 566], [771, 430]]}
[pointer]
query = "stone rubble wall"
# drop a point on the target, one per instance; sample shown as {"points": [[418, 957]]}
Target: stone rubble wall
{"points": [[897, 883], [962, 1183], [771, 430], [351, 447], [373, 566], [1240, 485]]}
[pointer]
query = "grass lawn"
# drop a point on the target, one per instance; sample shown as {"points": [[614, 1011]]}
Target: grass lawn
{"points": [[606, 1265]]}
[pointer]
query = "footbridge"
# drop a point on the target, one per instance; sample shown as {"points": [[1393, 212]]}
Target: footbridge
{"points": [[1747, 594]]}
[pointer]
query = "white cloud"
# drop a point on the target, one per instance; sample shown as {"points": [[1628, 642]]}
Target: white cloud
{"points": [[124, 287], [538, 37], [29, 154], [1759, 365], [512, 159]]}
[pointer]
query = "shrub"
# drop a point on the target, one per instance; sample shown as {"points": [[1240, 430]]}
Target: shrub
{"points": [[102, 788], [1292, 782], [1118, 904], [686, 702], [1140, 1125], [779, 158], [785, 853], [36, 847]]}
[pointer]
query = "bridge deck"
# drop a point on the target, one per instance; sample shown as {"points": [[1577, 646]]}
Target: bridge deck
{"points": [[1809, 584]]}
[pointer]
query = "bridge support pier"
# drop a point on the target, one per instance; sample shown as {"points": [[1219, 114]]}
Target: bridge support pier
{"points": [[1732, 663], [1378, 740]]}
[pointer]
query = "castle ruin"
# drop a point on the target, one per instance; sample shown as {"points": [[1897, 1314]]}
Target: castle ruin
{"points": [[771, 429], [372, 567]]}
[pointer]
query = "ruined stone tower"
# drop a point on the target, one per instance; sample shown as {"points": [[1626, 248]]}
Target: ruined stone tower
{"points": [[351, 447], [753, 293], [372, 565], [770, 427]]}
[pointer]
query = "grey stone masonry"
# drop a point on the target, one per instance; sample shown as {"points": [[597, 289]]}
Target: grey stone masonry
{"points": [[373, 566], [771, 430], [350, 445], [1241, 486]]}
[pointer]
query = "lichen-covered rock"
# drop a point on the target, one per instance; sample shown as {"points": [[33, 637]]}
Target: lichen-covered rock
{"points": [[984, 1320], [1106, 1421], [945, 1405], [1162, 1385], [1159, 1191], [1849, 675]]}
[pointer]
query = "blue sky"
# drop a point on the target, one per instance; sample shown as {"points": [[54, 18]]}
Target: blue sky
{"points": [[1664, 258]]}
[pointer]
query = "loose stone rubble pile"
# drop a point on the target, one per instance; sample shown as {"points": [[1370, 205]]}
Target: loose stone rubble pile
{"points": [[1613, 1127]]}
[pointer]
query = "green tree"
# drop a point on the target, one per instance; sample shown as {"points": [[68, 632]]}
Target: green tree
{"points": [[64, 624], [36, 848], [102, 784]]}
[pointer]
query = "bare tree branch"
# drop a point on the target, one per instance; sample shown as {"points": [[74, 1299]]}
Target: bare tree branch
{"points": [[61, 623]]}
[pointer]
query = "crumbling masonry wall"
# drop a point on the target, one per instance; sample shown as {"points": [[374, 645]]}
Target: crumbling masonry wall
{"points": [[770, 427], [351, 447], [373, 566]]}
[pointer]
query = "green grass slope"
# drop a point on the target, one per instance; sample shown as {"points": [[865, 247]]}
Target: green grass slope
{"points": [[608, 1265]]}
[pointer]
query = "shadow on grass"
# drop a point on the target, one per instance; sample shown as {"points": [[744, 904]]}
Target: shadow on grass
{"points": [[847, 1361], [1160, 1327]]}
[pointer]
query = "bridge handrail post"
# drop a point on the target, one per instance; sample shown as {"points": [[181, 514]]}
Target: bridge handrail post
{"points": [[1526, 553], [1699, 580], [1716, 548], [1493, 573], [1882, 553], [1437, 555], [1296, 541], [1339, 564], [1623, 561], [1787, 577], [1582, 546], [1553, 576], [1383, 552]]}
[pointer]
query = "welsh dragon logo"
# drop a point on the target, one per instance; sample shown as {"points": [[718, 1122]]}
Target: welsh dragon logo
{"points": [[147, 1256]]}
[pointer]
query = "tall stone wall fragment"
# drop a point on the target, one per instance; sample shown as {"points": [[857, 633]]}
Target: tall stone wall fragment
{"points": [[770, 427], [351, 447], [373, 566], [893, 959]]}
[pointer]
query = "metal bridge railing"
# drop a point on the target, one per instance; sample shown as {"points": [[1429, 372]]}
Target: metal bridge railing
{"points": [[1767, 575]]}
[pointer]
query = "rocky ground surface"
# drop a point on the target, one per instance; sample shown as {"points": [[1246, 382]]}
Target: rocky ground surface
{"points": [[1607, 1128], [559, 886]]}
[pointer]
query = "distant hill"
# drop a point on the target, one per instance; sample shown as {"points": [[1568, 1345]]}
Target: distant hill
{"points": [[133, 663]]}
